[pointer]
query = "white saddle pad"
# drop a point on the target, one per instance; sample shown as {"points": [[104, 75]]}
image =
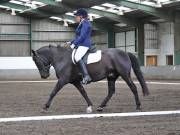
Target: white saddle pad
{"points": [[92, 57]]}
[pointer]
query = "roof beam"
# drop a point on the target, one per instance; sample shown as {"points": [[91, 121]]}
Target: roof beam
{"points": [[2, 1], [112, 16], [28, 9], [58, 4], [48, 2], [96, 25], [14, 6], [145, 8], [48, 14], [118, 18]]}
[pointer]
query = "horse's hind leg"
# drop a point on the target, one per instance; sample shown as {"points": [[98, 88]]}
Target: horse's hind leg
{"points": [[133, 88], [111, 91]]}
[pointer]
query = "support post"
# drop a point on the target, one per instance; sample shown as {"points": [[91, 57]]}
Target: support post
{"points": [[177, 39], [111, 38], [30, 35], [140, 43]]}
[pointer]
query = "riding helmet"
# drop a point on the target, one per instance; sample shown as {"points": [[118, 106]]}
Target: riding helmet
{"points": [[81, 12]]}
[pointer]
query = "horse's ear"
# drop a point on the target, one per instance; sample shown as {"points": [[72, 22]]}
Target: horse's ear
{"points": [[33, 52]]}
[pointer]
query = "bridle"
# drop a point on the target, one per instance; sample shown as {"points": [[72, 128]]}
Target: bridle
{"points": [[41, 61]]}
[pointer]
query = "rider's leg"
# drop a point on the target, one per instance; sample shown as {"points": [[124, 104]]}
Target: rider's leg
{"points": [[80, 52]]}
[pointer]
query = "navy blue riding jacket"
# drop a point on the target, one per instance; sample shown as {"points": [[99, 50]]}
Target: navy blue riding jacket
{"points": [[83, 34]]}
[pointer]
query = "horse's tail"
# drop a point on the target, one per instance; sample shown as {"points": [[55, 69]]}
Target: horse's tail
{"points": [[138, 73]]}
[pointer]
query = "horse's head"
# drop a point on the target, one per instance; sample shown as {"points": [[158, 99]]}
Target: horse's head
{"points": [[43, 64]]}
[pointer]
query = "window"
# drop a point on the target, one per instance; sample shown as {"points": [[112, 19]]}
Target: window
{"points": [[169, 60], [125, 41], [151, 60]]}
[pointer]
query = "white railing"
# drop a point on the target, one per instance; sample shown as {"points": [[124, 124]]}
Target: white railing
{"points": [[17, 63]]}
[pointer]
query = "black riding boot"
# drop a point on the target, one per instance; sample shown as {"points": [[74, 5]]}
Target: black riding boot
{"points": [[86, 78]]}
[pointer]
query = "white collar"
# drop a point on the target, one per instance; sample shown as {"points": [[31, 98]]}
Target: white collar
{"points": [[81, 21]]}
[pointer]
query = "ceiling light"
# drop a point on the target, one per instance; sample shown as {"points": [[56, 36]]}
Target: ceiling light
{"points": [[33, 6], [16, 2], [24, 0], [120, 12], [111, 8], [59, 20], [90, 18], [13, 12], [65, 23], [56, 18], [121, 24], [69, 13], [28, 2], [99, 7], [38, 3], [159, 3]]}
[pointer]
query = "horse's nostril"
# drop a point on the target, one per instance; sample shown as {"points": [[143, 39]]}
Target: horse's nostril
{"points": [[44, 75]]}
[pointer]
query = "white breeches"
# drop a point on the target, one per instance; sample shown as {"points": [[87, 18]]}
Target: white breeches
{"points": [[80, 52]]}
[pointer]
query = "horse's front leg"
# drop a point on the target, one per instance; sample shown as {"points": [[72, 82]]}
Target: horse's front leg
{"points": [[79, 86], [56, 89]]}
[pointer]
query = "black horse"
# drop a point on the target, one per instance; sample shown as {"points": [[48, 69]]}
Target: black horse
{"points": [[114, 63]]}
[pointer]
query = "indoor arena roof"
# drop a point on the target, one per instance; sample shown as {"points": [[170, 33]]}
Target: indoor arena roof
{"points": [[121, 13]]}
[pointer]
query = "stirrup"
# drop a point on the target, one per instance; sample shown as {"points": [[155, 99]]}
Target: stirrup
{"points": [[86, 80]]}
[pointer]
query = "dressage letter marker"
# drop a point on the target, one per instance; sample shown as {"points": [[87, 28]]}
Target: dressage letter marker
{"points": [[63, 117]]}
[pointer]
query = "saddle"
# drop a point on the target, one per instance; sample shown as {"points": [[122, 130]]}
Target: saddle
{"points": [[92, 56], [90, 51]]}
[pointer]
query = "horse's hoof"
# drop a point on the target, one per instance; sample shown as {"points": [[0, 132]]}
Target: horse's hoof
{"points": [[45, 107], [89, 109], [99, 109], [138, 109], [146, 93]]}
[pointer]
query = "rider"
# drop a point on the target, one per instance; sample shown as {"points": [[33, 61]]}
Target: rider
{"points": [[82, 42]]}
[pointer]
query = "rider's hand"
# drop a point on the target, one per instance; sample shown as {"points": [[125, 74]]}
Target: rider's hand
{"points": [[68, 43], [66, 46]]}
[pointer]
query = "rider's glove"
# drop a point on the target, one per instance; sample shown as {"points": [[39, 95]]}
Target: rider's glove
{"points": [[72, 46], [68, 43]]}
